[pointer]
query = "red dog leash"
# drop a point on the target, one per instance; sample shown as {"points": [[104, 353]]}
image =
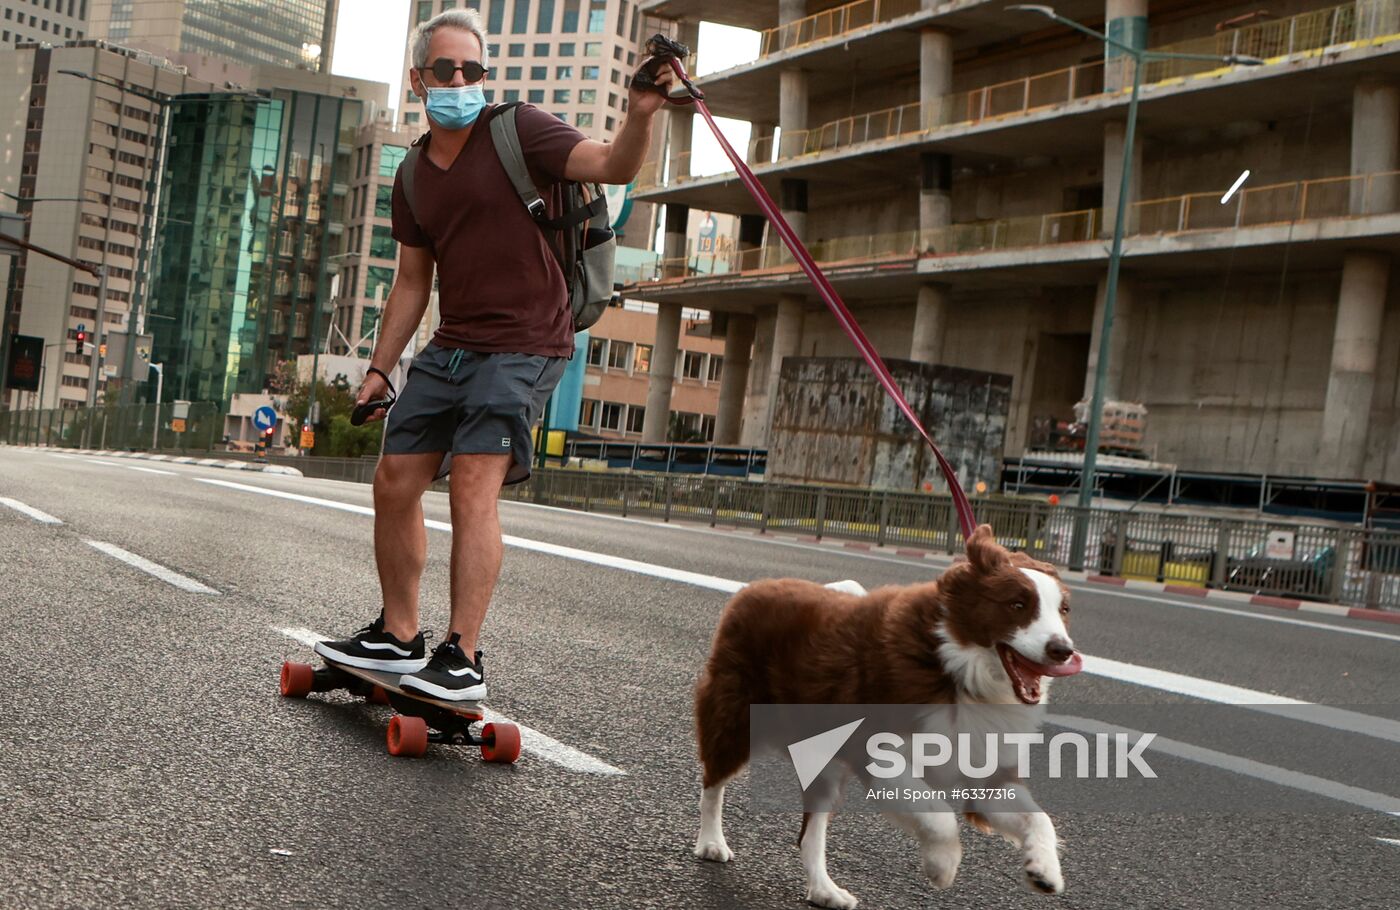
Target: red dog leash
{"points": [[670, 52]]}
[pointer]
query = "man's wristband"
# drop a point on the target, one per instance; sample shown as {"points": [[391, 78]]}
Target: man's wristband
{"points": [[386, 378]]}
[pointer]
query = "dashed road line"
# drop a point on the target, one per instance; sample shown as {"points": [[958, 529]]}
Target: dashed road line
{"points": [[145, 565], [32, 512]]}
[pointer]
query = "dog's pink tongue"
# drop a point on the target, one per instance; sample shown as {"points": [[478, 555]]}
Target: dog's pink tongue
{"points": [[1068, 668]]}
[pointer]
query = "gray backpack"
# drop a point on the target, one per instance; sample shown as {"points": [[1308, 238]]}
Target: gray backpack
{"points": [[581, 237]]}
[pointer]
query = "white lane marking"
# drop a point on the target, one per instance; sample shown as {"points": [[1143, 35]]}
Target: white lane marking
{"points": [[64, 457], [935, 569], [110, 464], [132, 467], [1263, 702], [1388, 840], [1148, 677], [32, 512], [145, 565], [697, 579], [1245, 767], [531, 740]]}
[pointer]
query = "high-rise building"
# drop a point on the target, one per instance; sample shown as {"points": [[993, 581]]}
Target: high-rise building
{"points": [[296, 34], [957, 167], [82, 177], [52, 21]]}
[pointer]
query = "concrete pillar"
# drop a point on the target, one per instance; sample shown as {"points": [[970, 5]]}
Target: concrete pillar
{"points": [[1125, 21], [1122, 321], [1375, 147], [755, 432], [930, 324], [792, 112], [734, 379], [1114, 134], [787, 335], [663, 372], [935, 197], [935, 73], [1355, 351], [793, 204], [673, 251]]}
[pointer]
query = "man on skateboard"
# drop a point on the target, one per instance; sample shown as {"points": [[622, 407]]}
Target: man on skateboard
{"points": [[475, 391]]}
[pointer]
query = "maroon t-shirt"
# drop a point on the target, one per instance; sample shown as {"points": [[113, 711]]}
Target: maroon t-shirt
{"points": [[500, 288]]}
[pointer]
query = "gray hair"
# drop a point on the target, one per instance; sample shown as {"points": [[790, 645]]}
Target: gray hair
{"points": [[468, 20]]}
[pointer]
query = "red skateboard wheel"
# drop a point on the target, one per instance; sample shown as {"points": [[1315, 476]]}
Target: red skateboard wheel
{"points": [[502, 742], [377, 696], [408, 736], [297, 679]]}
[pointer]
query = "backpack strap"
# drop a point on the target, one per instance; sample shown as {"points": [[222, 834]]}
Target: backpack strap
{"points": [[506, 137], [407, 167]]}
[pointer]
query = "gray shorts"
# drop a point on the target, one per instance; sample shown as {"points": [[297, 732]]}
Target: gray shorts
{"points": [[462, 402]]}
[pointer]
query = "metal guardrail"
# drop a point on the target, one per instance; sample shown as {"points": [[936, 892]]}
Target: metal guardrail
{"points": [[1360, 22], [116, 427], [1341, 564]]}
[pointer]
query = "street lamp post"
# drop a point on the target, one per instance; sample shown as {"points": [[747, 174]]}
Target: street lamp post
{"points": [[1091, 438], [141, 283]]}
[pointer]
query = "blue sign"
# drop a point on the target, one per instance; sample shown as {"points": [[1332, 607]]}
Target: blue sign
{"points": [[264, 418]]}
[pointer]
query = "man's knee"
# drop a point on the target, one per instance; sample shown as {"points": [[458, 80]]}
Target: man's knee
{"points": [[476, 480], [401, 479]]}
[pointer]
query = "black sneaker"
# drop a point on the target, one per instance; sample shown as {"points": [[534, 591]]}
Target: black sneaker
{"points": [[372, 648], [450, 675]]}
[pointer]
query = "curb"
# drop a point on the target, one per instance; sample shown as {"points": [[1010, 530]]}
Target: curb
{"points": [[1204, 594], [230, 464]]}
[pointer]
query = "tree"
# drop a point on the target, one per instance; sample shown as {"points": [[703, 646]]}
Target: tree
{"points": [[335, 437]]}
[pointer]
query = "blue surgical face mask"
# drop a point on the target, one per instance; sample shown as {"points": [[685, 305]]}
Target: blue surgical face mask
{"points": [[455, 107]]}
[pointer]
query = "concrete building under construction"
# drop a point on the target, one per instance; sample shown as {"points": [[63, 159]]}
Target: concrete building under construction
{"points": [[956, 166]]}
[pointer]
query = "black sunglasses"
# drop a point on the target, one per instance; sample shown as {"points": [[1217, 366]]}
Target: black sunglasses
{"points": [[443, 70]]}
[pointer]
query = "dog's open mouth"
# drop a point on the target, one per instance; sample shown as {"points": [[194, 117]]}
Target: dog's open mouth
{"points": [[1025, 673]]}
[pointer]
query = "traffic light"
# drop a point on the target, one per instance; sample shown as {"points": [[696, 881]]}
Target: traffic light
{"points": [[79, 340]]}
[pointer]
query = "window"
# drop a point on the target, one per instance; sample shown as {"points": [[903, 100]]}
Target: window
{"points": [[619, 355], [513, 72], [381, 242], [612, 99], [636, 416], [561, 95], [716, 367], [489, 94], [592, 48], [539, 73], [412, 116], [390, 157], [544, 22], [597, 350], [376, 277], [588, 413], [597, 13], [567, 49], [425, 11], [707, 427], [693, 366], [583, 120], [641, 363], [617, 52], [516, 50], [496, 19], [611, 124], [588, 96], [520, 22], [535, 96], [541, 50], [570, 17], [384, 201], [612, 416], [561, 116], [590, 72], [495, 50], [510, 95], [563, 73]]}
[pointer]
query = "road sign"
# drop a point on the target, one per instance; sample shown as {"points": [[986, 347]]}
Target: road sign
{"points": [[177, 425], [1280, 545], [308, 439], [619, 203], [264, 418], [82, 327]]}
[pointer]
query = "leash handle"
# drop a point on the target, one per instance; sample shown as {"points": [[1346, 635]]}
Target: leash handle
{"points": [[833, 301]]}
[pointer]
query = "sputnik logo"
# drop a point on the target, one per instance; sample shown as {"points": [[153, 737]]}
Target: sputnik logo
{"points": [[810, 756]]}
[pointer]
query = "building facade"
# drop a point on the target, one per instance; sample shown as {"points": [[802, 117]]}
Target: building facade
{"points": [[957, 168], [294, 34], [37, 21]]}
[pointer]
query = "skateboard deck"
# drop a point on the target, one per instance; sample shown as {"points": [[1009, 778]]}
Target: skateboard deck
{"points": [[421, 719]]}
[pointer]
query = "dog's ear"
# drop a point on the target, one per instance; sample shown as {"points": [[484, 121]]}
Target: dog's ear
{"points": [[986, 555]]}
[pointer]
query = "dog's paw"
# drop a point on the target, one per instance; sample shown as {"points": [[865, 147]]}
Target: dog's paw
{"points": [[1043, 876], [716, 851], [941, 867], [831, 895]]}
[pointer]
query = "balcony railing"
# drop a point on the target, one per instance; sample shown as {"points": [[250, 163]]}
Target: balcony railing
{"points": [[1373, 21], [833, 23], [1280, 203]]}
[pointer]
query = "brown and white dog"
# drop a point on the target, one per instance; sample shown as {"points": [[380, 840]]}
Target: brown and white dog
{"points": [[988, 631]]}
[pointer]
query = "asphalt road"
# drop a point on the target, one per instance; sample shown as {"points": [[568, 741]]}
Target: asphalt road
{"points": [[147, 760]]}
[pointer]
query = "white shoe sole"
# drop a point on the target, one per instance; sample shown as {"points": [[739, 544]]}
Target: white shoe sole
{"points": [[471, 693], [399, 665]]}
